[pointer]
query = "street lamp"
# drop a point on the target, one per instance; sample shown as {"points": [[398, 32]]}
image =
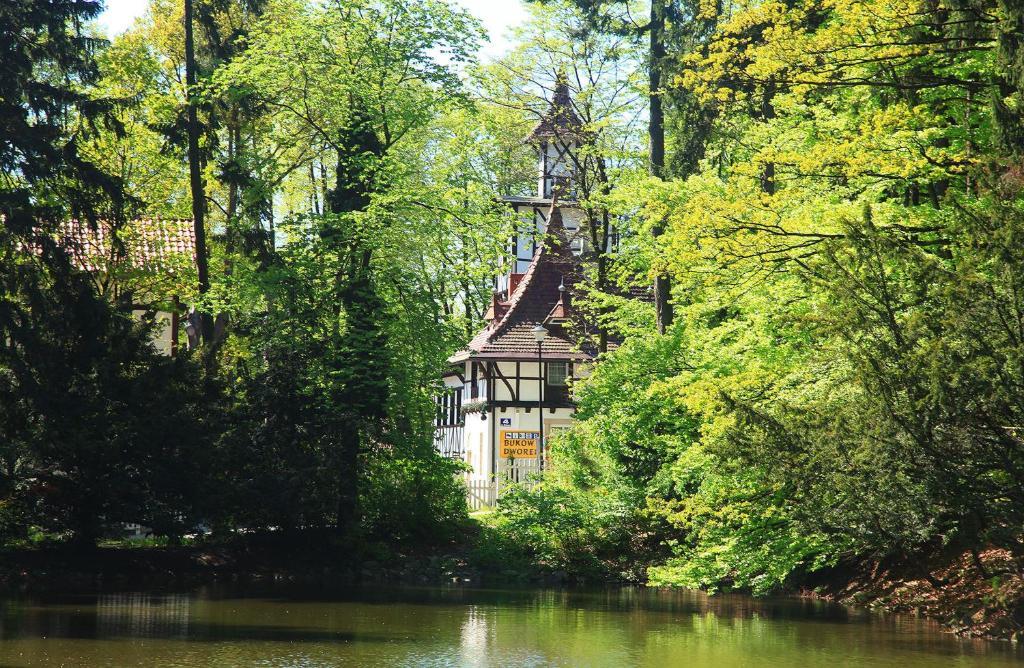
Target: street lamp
{"points": [[539, 334]]}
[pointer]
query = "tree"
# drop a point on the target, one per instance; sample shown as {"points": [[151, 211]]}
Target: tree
{"points": [[367, 85], [195, 174], [134, 150], [656, 134], [46, 113], [98, 428], [682, 24], [877, 440]]}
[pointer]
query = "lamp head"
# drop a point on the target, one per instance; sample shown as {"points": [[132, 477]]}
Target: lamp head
{"points": [[539, 334]]}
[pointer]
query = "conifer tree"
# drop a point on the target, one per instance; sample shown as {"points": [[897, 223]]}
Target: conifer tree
{"points": [[45, 112], [76, 371]]}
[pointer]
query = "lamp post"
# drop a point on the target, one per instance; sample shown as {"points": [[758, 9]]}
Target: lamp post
{"points": [[539, 334]]}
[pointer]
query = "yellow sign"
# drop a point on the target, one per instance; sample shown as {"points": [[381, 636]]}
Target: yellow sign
{"points": [[518, 444]]}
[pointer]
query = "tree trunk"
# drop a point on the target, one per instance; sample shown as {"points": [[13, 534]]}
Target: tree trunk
{"points": [[767, 113], [85, 526], [359, 349], [602, 277], [656, 138], [195, 173], [348, 479]]}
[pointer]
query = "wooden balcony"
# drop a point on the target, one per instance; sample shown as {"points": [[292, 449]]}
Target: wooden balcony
{"points": [[448, 440]]}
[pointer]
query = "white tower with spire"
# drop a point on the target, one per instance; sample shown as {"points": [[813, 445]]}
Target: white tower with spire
{"points": [[556, 138]]}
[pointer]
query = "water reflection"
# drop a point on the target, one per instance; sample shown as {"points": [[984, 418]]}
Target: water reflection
{"points": [[143, 615], [474, 635], [295, 626]]}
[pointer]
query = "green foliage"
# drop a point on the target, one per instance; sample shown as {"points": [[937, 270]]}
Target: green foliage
{"points": [[737, 530], [844, 233], [154, 177], [95, 425], [558, 531], [121, 440], [414, 497], [46, 112], [298, 417], [844, 378], [645, 487]]}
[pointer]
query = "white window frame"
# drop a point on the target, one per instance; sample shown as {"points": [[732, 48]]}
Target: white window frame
{"points": [[564, 372]]}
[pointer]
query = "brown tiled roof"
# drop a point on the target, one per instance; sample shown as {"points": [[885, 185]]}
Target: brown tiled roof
{"points": [[535, 298], [560, 120], [149, 243], [638, 290]]}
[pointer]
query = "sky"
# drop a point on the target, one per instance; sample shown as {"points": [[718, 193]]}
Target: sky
{"points": [[497, 15]]}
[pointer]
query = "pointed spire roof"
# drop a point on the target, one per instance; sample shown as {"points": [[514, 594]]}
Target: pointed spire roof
{"points": [[541, 298], [560, 120], [560, 312]]}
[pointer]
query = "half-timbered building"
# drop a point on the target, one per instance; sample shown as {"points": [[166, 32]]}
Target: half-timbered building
{"points": [[509, 388]]}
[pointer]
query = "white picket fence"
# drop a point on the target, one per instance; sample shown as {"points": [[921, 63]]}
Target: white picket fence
{"points": [[484, 493], [481, 494]]}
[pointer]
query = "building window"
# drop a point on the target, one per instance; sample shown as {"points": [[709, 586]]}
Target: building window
{"points": [[558, 373]]}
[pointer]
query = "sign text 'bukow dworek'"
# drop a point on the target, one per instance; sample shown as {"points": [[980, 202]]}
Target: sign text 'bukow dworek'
{"points": [[518, 444]]}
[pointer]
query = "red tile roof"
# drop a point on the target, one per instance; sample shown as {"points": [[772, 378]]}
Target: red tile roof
{"points": [[535, 298], [150, 244]]}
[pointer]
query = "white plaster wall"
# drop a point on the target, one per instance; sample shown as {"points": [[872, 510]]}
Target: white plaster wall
{"points": [[530, 230], [161, 332], [520, 419], [572, 218], [477, 435], [529, 390], [528, 384], [525, 245], [507, 369], [554, 164], [501, 392]]}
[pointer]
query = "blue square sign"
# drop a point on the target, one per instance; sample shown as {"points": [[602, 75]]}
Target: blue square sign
{"points": [[506, 422]]}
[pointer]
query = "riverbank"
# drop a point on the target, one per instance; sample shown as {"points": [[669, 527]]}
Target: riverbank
{"points": [[973, 594], [978, 596], [300, 557], [31, 570]]}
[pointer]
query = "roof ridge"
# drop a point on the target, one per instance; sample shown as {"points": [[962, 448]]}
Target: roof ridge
{"points": [[554, 229]]}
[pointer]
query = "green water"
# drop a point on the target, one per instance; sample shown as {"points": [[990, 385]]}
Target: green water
{"points": [[466, 627]]}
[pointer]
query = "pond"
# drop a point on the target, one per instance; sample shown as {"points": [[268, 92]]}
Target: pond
{"points": [[468, 627]]}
